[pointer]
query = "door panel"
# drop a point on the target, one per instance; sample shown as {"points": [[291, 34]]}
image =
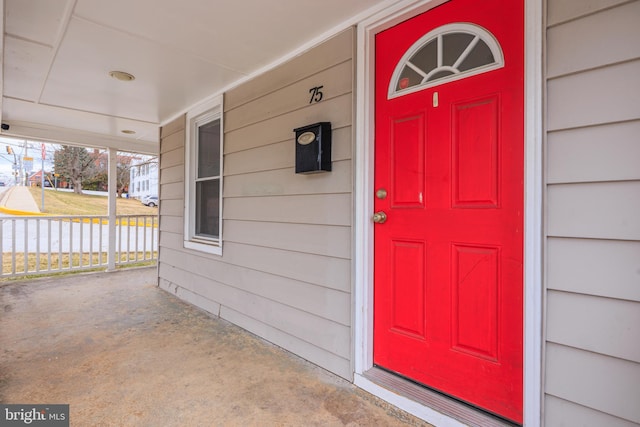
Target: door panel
{"points": [[448, 259], [475, 300], [408, 291], [407, 150], [475, 153]]}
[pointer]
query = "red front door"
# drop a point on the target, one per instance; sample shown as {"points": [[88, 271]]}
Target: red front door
{"points": [[449, 157]]}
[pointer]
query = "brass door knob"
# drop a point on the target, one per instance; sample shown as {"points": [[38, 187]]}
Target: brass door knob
{"points": [[379, 217]]}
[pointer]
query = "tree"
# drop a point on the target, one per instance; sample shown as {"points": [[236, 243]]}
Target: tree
{"points": [[122, 173], [75, 164]]}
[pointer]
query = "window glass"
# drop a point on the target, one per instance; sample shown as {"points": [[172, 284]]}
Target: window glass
{"points": [[408, 78], [454, 45], [207, 191], [479, 56], [450, 52], [208, 208], [209, 149], [426, 58], [440, 75]]}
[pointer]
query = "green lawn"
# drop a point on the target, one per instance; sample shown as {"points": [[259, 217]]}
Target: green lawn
{"points": [[68, 203]]}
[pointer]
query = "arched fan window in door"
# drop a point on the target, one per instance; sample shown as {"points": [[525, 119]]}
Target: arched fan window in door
{"points": [[447, 53]]}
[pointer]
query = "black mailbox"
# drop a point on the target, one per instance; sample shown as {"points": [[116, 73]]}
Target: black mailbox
{"points": [[313, 148]]}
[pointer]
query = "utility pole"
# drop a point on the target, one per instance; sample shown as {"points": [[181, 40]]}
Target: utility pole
{"points": [[25, 156]]}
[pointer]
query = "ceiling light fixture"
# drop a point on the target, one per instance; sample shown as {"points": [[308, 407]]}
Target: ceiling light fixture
{"points": [[121, 75]]}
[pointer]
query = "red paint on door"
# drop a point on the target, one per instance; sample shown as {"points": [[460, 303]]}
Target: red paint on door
{"points": [[449, 259]]}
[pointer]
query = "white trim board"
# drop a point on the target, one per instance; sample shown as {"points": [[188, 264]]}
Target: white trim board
{"points": [[363, 248]]}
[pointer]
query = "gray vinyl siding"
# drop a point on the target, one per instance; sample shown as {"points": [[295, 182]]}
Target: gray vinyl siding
{"points": [[285, 272], [592, 352]]}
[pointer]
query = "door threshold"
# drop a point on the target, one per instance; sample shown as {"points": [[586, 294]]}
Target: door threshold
{"points": [[434, 400]]}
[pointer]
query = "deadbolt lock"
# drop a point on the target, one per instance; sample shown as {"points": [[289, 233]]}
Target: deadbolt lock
{"points": [[381, 194]]}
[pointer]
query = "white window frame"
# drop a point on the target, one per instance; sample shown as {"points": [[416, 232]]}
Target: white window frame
{"points": [[200, 115]]}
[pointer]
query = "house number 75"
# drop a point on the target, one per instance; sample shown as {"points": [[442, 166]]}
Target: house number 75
{"points": [[316, 94]]}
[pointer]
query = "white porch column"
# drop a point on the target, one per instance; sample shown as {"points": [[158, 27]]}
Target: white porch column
{"points": [[112, 183]]}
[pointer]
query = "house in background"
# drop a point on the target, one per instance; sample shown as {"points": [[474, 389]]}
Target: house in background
{"points": [[35, 179], [471, 252], [143, 178]]}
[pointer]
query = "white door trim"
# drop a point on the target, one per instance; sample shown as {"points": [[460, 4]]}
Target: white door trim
{"points": [[533, 256]]}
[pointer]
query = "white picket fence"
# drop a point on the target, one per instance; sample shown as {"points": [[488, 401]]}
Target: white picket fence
{"points": [[38, 245]]}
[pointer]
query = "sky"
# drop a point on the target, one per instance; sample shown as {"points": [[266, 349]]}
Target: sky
{"points": [[33, 150]]}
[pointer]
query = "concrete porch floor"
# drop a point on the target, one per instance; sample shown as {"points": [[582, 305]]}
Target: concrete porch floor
{"points": [[123, 352]]}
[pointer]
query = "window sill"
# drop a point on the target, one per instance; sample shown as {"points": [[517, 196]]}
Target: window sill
{"points": [[215, 249]]}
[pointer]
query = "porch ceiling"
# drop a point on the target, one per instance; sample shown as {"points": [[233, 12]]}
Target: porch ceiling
{"points": [[57, 57]]}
